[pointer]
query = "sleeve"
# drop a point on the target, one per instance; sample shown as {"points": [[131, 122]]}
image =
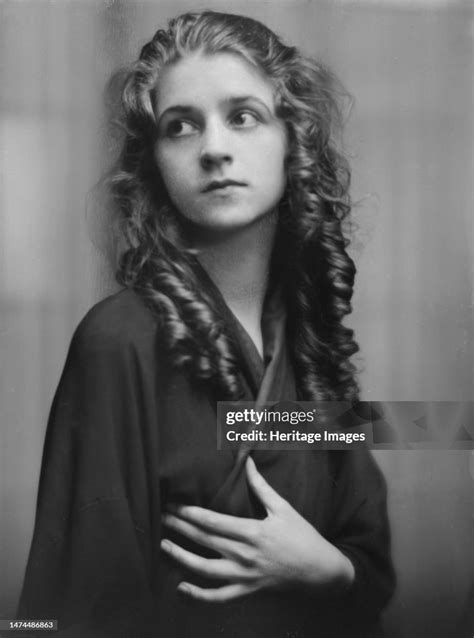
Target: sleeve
{"points": [[91, 558], [361, 531]]}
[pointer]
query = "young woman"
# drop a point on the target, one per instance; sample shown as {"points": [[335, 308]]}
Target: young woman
{"points": [[232, 196]]}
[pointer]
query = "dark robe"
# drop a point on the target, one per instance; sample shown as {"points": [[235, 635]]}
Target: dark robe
{"points": [[128, 434]]}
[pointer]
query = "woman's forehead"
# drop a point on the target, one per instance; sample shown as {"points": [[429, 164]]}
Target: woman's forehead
{"points": [[204, 80]]}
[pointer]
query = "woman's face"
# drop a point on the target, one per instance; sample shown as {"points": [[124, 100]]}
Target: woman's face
{"points": [[221, 149]]}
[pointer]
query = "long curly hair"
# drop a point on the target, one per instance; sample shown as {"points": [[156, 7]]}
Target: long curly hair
{"points": [[318, 274]]}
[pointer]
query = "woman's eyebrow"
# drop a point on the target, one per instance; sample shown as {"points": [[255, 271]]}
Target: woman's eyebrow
{"points": [[243, 99], [235, 100], [178, 108]]}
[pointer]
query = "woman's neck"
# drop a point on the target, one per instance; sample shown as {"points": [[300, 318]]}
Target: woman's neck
{"points": [[239, 265]]}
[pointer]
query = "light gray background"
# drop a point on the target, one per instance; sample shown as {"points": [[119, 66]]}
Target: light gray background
{"points": [[409, 65]]}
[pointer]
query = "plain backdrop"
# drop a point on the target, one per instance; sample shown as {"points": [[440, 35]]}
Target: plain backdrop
{"points": [[409, 65]]}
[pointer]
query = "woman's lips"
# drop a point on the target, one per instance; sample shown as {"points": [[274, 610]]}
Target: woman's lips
{"points": [[220, 185]]}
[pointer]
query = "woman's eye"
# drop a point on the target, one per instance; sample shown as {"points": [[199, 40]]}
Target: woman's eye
{"points": [[245, 119], [180, 128]]}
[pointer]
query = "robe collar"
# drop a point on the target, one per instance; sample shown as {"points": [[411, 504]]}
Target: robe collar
{"points": [[265, 379]]}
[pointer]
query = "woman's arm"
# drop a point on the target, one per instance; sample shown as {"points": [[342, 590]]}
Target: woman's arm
{"points": [[285, 551], [282, 551], [91, 558], [360, 528]]}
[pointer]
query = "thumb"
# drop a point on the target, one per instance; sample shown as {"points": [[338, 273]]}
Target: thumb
{"points": [[269, 498]]}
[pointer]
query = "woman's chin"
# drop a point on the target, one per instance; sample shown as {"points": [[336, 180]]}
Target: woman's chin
{"points": [[220, 224]]}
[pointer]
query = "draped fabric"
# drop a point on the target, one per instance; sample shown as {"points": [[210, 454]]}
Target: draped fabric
{"points": [[129, 434]]}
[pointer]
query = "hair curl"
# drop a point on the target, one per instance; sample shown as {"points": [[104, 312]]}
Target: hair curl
{"points": [[319, 274]]}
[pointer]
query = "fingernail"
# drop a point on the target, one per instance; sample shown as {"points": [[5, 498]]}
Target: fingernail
{"points": [[165, 545]]}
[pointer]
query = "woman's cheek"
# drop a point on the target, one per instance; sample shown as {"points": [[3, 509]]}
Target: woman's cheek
{"points": [[176, 169]]}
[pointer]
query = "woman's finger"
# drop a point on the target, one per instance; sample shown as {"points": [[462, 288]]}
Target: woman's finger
{"points": [[218, 595], [207, 567], [216, 523], [269, 498], [225, 546]]}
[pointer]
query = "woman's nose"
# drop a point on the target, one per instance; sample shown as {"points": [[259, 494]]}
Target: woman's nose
{"points": [[215, 148]]}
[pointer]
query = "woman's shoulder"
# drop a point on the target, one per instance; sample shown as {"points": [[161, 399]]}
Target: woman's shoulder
{"points": [[118, 320]]}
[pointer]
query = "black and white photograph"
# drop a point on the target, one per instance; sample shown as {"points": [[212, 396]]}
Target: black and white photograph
{"points": [[236, 318]]}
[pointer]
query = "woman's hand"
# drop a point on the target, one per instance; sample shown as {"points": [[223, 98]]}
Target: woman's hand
{"points": [[283, 550]]}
